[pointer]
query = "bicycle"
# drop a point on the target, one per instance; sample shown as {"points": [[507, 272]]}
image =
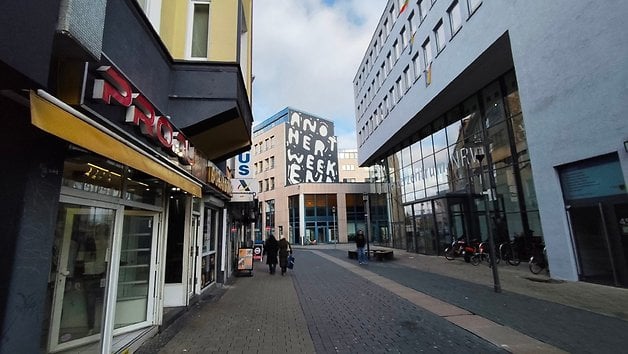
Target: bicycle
{"points": [[538, 262], [483, 254], [508, 253]]}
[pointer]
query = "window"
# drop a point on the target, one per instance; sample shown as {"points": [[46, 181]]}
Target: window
{"points": [[439, 34], [473, 5], [377, 80], [272, 162], [427, 53], [383, 71], [272, 183], [416, 66], [455, 17], [404, 37], [393, 95], [389, 62], [411, 22], [381, 37], [399, 88], [198, 41], [380, 114], [261, 185], [387, 26], [423, 8], [397, 51], [407, 77], [386, 105]]}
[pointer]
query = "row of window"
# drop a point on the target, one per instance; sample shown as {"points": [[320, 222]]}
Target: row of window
{"points": [[267, 184], [265, 145], [412, 71], [265, 165]]}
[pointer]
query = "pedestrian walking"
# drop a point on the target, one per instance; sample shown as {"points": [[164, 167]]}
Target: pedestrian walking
{"points": [[360, 242], [284, 250], [271, 246]]}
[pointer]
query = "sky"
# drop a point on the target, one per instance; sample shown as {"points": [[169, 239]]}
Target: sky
{"points": [[306, 54]]}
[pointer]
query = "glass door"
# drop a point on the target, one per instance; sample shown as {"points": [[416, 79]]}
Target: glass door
{"points": [[79, 274], [193, 259], [137, 272]]}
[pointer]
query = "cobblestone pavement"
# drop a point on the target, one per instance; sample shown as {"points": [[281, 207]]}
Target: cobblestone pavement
{"points": [[414, 303]]}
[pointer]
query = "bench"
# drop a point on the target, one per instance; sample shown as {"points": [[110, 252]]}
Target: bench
{"points": [[379, 255]]}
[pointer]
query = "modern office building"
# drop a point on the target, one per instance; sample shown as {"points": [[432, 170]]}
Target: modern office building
{"points": [[115, 187], [348, 169], [504, 119], [295, 159]]}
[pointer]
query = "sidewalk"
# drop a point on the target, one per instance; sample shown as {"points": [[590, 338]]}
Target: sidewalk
{"points": [[255, 314], [605, 300], [273, 313]]}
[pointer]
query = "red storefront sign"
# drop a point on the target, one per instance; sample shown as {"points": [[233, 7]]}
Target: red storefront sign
{"points": [[114, 88]]}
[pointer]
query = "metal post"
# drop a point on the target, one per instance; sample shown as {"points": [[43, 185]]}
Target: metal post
{"points": [[491, 240], [365, 196], [333, 212]]}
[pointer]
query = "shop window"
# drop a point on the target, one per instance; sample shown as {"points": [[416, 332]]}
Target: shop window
{"points": [[199, 39]]}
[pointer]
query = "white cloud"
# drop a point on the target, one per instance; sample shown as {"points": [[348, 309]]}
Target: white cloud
{"points": [[305, 55]]}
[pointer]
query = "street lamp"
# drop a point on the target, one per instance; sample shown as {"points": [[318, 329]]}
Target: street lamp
{"points": [[365, 197], [333, 213], [491, 241]]}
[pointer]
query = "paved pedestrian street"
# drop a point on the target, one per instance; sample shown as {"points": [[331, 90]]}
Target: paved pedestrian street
{"points": [[411, 304]]}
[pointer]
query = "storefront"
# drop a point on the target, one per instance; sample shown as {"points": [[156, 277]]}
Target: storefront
{"points": [[114, 208], [466, 168]]}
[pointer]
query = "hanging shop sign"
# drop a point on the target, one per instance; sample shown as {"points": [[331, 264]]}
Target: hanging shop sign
{"points": [[112, 88], [217, 179]]}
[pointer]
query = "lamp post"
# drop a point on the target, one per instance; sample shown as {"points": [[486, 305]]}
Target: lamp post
{"points": [[491, 241], [333, 213], [365, 197]]}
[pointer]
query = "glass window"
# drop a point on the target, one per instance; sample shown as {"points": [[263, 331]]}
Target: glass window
{"points": [[455, 17], [473, 5], [397, 49], [416, 66], [404, 37], [427, 53], [412, 22], [399, 88], [429, 172], [423, 8], [439, 34], [200, 30], [499, 144], [440, 140], [407, 77], [492, 98], [426, 146], [512, 94]]}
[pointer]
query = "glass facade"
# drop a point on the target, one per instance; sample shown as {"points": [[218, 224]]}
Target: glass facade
{"points": [[472, 158]]}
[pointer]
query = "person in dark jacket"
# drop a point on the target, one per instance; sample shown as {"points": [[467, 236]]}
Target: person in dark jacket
{"points": [[271, 246], [360, 242], [284, 248]]}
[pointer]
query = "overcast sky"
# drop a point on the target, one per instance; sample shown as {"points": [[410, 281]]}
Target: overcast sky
{"points": [[306, 54]]}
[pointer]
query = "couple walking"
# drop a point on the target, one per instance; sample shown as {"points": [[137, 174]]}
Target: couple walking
{"points": [[272, 247]]}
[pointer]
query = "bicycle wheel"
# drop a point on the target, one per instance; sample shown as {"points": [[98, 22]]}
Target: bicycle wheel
{"points": [[534, 266], [475, 259], [449, 254], [513, 260]]}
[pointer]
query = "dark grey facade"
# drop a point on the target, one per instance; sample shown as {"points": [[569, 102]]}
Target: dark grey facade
{"points": [[51, 53]]}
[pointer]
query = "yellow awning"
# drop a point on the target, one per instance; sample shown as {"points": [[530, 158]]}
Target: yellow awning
{"points": [[57, 121]]}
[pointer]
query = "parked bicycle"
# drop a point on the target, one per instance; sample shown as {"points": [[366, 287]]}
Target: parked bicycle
{"points": [[538, 262], [483, 253], [508, 253]]}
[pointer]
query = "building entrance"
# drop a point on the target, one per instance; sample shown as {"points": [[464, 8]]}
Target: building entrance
{"points": [[600, 236]]}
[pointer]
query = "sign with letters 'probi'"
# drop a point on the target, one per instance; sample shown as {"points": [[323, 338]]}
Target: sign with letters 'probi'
{"points": [[311, 150], [243, 184]]}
